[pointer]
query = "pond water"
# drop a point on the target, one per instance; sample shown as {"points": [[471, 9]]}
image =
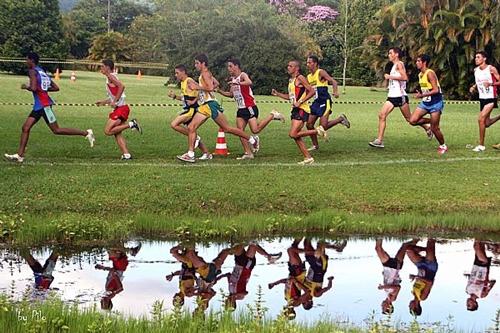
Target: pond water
{"points": [[451, 276]]}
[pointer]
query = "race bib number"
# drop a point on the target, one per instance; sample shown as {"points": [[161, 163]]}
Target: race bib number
{"points": [[427, 98], [44, 81]]}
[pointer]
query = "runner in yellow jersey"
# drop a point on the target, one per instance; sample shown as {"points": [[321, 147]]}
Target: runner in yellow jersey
{"points": [[190, 106], [424, 280], [209, 107], [432, 101], [187, 276], [299, 92], [321, 107]]}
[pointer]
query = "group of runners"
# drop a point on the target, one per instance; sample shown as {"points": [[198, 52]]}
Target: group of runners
{"points": [[309, 97]]}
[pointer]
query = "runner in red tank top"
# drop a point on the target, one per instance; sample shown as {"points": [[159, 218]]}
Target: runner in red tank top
{"points": [[117, 121], [248, 113]]}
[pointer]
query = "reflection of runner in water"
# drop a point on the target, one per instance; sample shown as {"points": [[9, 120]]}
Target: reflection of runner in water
{"points": [[187, 276], [479, 284], [114, 279], [392, 280], [318, 265], [424, 280], [43, 274], [244, 262], [296, 273]]}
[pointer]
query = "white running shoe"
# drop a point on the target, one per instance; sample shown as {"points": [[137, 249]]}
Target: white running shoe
{"points": [[91, 137], [245, 157], [14, 158], [312, 148], [197, 142], [376, 143], [186, 158], [442, 149], [256, 145], [205, 157], [322, 132], [307, 161], [278, 116], [497, 146], [479, 149], [429, 133], [127, 157], [272, 258], [133, 124]]}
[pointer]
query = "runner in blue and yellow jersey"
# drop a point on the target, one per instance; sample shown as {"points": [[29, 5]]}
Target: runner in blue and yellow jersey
{"points": [[321, 107], [40, 84]]}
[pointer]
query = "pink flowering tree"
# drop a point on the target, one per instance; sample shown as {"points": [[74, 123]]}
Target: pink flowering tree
{"points": [[301, 9], [320, 13]]}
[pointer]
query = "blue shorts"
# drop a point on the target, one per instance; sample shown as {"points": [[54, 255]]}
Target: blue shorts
{"points": [[320, 107], [436, 107]]}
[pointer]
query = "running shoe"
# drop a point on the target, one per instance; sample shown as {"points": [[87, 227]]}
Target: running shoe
{"points": [[197, 142], [344, 121], [429, 133], [376, 143], [205, 157], [245, 157], [442, 149], [91, 137], [312, 148], [278, 116], [272, 258], [479, 149], [497, 146], [14, 158], [256, 145], [340, 246], [126, 158], [307, 161], [322, 132], [186, 158], [135, 125]]}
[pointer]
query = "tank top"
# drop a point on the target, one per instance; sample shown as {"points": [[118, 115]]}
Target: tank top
{"points": [[484, 75], [396, 88], [242, 94], [41, 96], [204, 96], [295, 93], [112, 91], [425, 86], [188, 94], [320, 87]]}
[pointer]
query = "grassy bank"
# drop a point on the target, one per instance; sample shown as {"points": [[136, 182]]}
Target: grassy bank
{"points": [[55, 316]]}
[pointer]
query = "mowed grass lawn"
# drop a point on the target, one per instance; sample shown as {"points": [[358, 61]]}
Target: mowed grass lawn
{"points": [[63, 175]]}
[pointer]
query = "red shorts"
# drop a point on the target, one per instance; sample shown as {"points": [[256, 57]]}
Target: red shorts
{"points": [[120, 112]]}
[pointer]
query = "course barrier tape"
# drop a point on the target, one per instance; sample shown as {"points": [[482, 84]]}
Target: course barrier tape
{"points": [[148, 65], [162, 105]]}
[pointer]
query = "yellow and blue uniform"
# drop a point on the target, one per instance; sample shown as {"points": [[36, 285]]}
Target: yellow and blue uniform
{"points": [[433, 103], [322, 104], [208, 104], [188, 95]]}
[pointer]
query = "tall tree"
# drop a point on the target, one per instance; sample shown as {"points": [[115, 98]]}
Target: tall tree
{"points": [[30, 25]]}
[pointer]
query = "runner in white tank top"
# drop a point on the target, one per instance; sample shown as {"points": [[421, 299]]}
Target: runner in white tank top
{"points": [[479, 284], [396, 97], [487, 82]]}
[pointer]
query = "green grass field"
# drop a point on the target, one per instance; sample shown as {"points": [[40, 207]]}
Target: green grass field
{"points": [[405, 184]]}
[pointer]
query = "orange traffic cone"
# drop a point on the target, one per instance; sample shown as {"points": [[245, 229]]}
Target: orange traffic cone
{"points": [[73, 77], [57, 77], [221, 146], [139, 75]]}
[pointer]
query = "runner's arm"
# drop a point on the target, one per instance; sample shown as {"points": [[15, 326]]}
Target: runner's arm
{"points": [[275, 283], [32, 86], [274, 92], [245, 80], [53, 86], [171, 275], [328, 287], [173, 95], [335, 87], [309, 90], [402, 71], [225, 93], [435, 89]]}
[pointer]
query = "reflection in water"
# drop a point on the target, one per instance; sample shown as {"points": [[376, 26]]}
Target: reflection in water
{"points": [[304, 277]]}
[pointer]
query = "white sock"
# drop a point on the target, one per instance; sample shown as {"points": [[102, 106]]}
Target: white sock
{"points": [[251, 140], [130, 124], [443, 145], [190, 153], [127, 155]]}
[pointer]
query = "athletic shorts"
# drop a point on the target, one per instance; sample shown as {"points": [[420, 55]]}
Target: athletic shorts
{"points": [[120, 112], [208, 272], [46, 113], [316, 266], [436, 107], [46, 269], [429, 269], [393, 263], [486, 101], [190, 113], [480, 263], [244, 261], [296, 270], [398, 101], [299, 114], [211, 109], [321, 108], [248, 113]]}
